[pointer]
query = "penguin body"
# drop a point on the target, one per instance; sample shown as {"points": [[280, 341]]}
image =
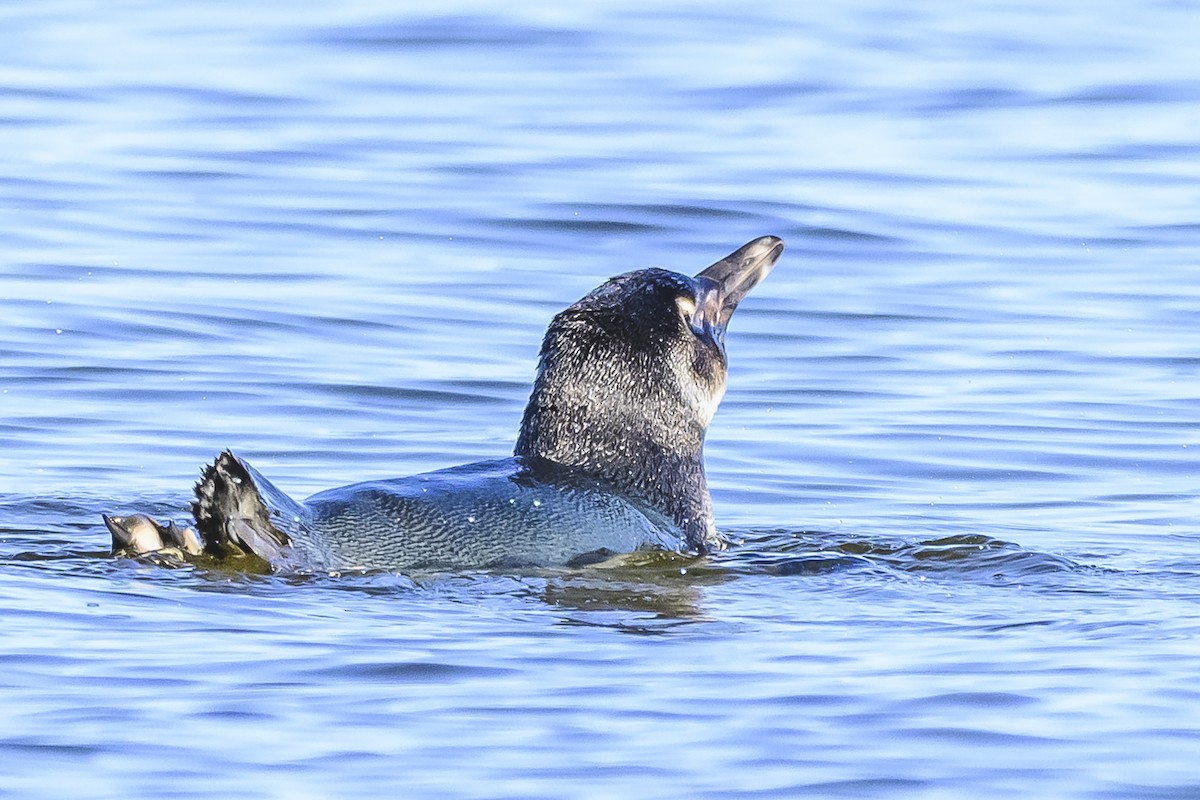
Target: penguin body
{"points": [[609, 457]]}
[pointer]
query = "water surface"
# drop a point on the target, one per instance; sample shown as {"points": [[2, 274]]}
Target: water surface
{"points": [[959, 447]]}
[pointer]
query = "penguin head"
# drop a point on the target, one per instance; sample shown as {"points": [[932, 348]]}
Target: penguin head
{"points": [[630, 375]]}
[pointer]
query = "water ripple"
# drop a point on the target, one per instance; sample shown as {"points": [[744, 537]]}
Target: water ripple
{"points": [[957, 444]]}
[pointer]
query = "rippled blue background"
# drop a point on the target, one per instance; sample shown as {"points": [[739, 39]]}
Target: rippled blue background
{"points": [[959, 445]]}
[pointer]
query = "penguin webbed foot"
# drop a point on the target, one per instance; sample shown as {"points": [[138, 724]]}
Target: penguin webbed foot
{"points": [[140, 535]]}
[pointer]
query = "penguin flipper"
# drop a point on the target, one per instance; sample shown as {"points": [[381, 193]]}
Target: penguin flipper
{"points": [[240, 513]]}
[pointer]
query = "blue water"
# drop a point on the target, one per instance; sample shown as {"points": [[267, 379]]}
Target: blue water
{"points": [[960, 443]]}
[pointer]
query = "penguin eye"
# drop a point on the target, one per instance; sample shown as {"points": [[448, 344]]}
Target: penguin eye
{"points": [[687, 307]]}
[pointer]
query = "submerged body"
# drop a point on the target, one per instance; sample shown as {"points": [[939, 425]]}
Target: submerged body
{"points": [[608, 460], [501, 513]]}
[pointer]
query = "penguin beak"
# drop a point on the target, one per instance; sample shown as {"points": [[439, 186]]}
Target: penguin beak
{"points": [[723, 285]]}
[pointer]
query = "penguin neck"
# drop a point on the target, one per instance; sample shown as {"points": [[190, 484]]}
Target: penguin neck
{"points": [[659, 466]]}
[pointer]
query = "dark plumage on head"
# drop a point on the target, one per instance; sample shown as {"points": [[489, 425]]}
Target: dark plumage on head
{"points": [[629, 378]]}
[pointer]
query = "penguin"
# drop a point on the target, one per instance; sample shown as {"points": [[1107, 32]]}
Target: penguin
{"points": [[608, 459]]}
